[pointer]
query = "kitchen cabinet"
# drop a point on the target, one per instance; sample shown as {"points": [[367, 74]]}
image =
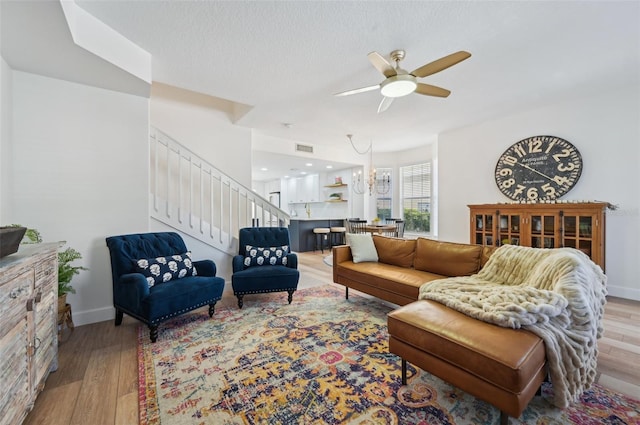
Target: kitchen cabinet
{"points": [[28, 327], [305, 189], [579, 225]]}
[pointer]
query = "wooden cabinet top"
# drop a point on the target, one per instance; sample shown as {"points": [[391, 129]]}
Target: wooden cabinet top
{"points": [[540, 206]]}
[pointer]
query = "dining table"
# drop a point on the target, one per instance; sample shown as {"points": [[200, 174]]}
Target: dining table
{"points": [[379, 228]]}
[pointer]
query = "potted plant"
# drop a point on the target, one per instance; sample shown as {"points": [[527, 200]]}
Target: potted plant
{"points": [[65, 273], [65, 270], [335, 196]]}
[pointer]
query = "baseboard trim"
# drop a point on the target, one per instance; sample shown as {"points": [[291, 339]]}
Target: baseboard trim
{"points": [[623, 292], [93, 316]]}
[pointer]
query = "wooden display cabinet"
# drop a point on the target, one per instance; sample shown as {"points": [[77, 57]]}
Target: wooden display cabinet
{"points": [[574, 225]]}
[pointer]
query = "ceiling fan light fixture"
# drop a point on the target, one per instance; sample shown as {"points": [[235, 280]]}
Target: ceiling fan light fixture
{"points": [[398, 85]]}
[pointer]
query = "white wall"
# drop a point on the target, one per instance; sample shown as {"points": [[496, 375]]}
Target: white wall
{"points": [[605, 130], [6, 169], [80, 158], [202, 123]]}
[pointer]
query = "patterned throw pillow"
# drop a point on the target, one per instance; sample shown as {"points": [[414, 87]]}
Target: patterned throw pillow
{"points": [[163, 269], [274, 255]]}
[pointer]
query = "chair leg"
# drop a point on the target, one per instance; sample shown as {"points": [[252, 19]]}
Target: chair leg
{"points": [[290, 297], [240, 300], [504, 418], [119, 315], [211, 309], [153, 332], [404, 372], [346, 292]]}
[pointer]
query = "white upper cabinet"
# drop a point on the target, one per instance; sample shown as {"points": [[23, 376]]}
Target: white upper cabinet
{"points": [[303, 189]]}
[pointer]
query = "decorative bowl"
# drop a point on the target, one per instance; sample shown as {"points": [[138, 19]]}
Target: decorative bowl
{"points": [[10, 238]]}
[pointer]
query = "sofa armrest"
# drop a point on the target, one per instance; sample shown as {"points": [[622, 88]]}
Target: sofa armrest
{"points": [[130, 290], [205, 268], [341, 254]]}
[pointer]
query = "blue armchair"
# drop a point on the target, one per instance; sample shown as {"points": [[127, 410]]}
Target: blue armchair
{"points": [[154, 278], [265, 263]]}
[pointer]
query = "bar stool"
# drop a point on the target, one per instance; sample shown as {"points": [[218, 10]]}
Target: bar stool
{"points": [[337, 235], [322, 234]]}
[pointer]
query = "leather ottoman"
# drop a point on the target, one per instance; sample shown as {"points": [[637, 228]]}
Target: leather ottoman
{"points": [[504, 367]]}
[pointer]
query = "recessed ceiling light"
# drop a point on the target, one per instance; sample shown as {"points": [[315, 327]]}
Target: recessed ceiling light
{"points": [[303, 172], [286, 177], [329, 166], [308, 164], [264, 169]]}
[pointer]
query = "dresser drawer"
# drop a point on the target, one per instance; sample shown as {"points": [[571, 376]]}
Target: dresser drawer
{"points": [[13, 300]]}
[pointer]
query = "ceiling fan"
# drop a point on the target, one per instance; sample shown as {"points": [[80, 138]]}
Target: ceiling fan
{"points": [[400, 83]]}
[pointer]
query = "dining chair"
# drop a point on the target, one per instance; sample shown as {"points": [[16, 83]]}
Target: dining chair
{"points": [[399, 228], [356, 225]]}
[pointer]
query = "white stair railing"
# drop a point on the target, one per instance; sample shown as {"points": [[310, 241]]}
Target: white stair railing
{"points": [[194, 197]]}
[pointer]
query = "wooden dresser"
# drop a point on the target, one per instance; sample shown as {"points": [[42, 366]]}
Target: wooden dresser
{"points": [[28, 327]]}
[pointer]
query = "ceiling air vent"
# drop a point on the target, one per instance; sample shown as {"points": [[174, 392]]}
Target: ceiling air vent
{"points": [[304, 148]]}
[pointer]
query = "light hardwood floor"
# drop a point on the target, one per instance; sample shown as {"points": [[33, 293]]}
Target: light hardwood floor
{"points": [[97, 379]]}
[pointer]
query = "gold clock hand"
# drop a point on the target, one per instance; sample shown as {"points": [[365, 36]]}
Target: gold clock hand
{"points": [[535, 171]]}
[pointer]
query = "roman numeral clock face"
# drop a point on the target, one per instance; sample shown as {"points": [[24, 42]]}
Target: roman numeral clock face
{"points": [[539, 168]]}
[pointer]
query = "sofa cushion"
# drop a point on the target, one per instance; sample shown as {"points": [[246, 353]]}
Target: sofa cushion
{"points": [[394, 251], [400, 280], [163, 269], [269, 256], [486, 253], [362, 247], [446, 258]]}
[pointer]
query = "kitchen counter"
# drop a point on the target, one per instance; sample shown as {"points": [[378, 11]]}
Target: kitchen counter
{"points": [[301, 231]]}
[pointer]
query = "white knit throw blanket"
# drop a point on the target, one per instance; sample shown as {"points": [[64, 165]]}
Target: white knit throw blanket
{"points": [[557, 294]]}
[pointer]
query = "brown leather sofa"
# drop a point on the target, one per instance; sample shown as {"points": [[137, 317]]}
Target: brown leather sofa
{"points": [[404, 265], [504, 367]]}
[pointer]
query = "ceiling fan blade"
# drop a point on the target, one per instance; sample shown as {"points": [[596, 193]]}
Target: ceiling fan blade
{"points": [[429, 90], [441, 64], [356, 91], [385, 103], [381, 64]]}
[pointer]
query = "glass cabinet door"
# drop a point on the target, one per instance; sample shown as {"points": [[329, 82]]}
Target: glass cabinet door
{"points": [[483, 225], [543, 231], [509, 227], [578, 232]]}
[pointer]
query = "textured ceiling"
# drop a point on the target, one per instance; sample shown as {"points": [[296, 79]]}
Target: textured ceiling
{"points": [[287, 58]]}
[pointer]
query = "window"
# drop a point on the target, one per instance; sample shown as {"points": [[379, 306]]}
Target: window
{"points": [[415, 188], [383, 201]]}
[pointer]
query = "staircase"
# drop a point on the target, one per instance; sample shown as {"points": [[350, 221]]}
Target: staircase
{"points": [[192, 196]]}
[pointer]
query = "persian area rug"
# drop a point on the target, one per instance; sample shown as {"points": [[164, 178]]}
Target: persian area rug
{"points": [[320, 360]]}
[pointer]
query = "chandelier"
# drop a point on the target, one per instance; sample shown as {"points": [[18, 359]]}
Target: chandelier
{"points": [[379, 184]]}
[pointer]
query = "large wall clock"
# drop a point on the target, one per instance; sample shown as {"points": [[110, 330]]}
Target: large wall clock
{"points": [[538, 168]]}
